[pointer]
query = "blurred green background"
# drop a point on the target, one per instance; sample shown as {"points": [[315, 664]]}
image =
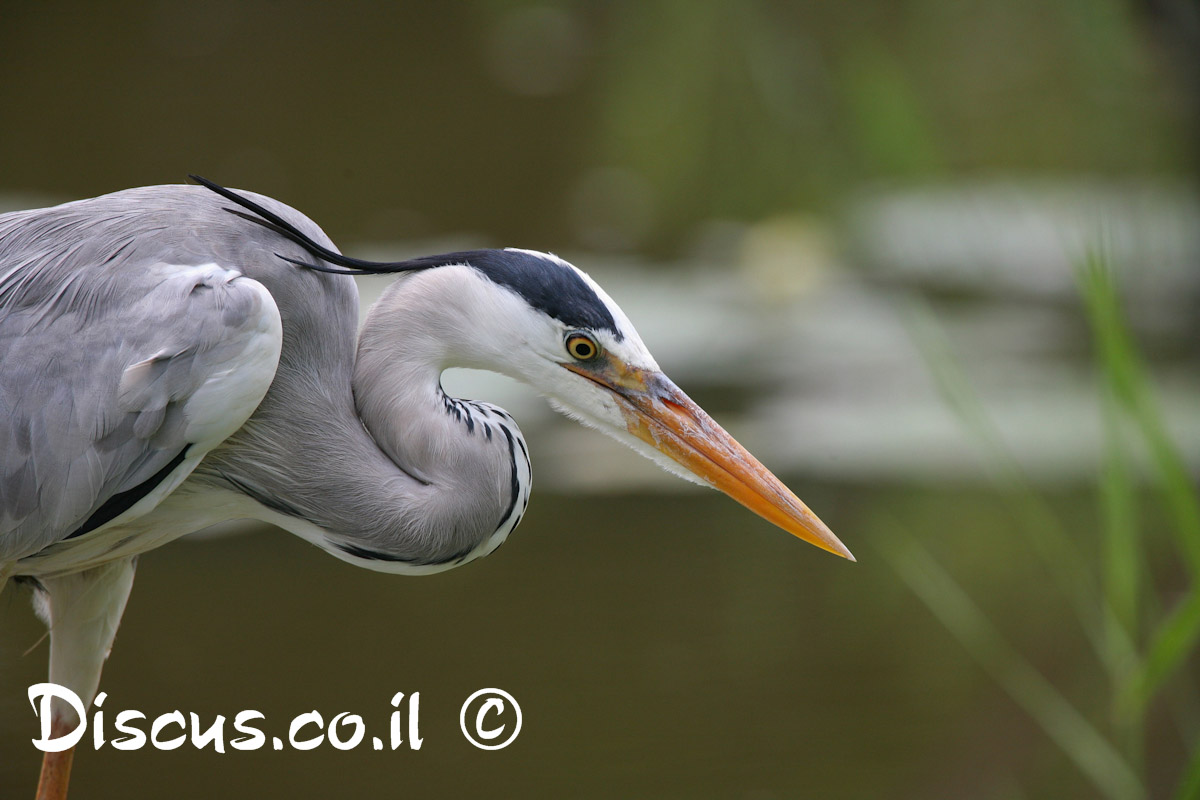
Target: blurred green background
{"points": [[935, 262]]}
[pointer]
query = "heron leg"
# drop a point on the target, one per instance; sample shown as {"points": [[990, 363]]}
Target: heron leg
{"points": [[82, 611], [56, 769]]}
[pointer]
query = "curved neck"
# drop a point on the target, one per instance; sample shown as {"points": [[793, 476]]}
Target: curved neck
{"points": [[383, 470], [468, 457]]}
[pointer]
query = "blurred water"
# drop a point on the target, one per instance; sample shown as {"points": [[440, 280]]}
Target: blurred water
{"points": [[659, 646], [661, 640], [660, 643], [780, 196]]}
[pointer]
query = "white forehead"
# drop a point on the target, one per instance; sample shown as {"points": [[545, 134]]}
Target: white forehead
{"points": [[630, 347]]}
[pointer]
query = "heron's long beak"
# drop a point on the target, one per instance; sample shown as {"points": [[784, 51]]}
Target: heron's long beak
{"points": [[659, 413]]}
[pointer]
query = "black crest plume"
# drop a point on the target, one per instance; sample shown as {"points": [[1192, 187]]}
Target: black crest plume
{"points": [[271, 220], [550, 287]]}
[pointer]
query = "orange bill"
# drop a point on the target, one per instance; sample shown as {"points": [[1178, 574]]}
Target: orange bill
{"points": [[660, 414]]}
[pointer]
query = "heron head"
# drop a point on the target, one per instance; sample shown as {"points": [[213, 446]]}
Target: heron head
{"points": [[580, 350], [542, 320]]}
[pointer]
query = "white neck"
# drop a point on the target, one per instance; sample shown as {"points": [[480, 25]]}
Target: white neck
{"points": [[462, 451], [388, 473]]}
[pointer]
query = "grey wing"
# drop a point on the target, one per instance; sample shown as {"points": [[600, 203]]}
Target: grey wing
{"points": [[111, 380]]}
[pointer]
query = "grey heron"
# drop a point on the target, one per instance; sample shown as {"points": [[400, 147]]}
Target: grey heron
{"points": [[176, 356]]}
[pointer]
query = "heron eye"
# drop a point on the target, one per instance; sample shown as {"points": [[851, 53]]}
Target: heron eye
{"points": [[582, 347]]}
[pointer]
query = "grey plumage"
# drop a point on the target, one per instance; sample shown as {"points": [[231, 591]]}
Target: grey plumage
{"points": [[103, 346], [156, 327], [163, 366]]}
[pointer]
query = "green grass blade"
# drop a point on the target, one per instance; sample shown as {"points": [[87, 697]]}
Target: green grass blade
{"points": [[1176, 638], [1045, 533], [1131, 385], [1189, 786], [1122, 572], [1173, 643], [1091, 753], [1122, 548]]}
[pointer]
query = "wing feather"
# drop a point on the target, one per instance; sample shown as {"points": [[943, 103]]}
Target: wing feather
{"points": [[110, 367]]}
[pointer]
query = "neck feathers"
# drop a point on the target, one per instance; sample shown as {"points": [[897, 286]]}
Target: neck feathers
{"points": [[386, 472], [468, 459]]}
